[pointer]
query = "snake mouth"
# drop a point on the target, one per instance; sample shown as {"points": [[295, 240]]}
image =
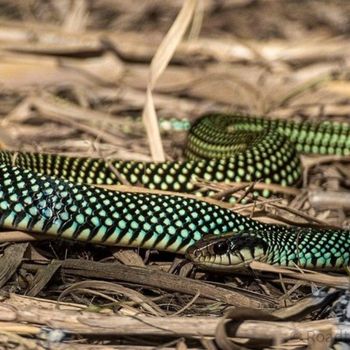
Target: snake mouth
{"points": [[229, 252]]}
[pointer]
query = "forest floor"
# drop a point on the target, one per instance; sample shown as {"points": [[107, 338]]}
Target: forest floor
{"points": [[73, 78]]}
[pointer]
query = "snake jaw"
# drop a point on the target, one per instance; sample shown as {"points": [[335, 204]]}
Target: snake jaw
{"points": [[233, 251]]}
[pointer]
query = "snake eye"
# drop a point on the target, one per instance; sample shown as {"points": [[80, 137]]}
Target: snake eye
{"points": [[220, 248]]}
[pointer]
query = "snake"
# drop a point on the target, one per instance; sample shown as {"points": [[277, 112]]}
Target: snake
{"points": [[56, 195]]}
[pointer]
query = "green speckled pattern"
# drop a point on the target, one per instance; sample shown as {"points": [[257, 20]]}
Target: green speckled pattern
{"points": [[219, 148], [38, 203], [52, 194], [227, 148], [57, 207]]}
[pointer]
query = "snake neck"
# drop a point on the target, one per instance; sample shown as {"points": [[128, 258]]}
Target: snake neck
{"points": [[316, 249]]}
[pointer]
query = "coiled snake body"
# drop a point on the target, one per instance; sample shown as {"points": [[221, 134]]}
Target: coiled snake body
{"points": [[51, 194]]}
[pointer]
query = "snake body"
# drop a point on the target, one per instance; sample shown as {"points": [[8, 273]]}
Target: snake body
{"points": [[52, 194], [219, 148], [58, 207]]}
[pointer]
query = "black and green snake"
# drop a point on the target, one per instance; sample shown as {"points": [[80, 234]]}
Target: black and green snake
{"points": [[53, 195]]}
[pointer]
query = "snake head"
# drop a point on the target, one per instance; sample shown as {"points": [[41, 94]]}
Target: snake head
{"points": [[232, 251]]}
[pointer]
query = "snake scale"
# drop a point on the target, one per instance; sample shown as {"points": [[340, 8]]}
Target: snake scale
{"points": [[54, 195]]}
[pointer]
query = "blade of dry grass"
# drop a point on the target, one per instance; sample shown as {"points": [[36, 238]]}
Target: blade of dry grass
{"points": [[159, 62], [306, 275], [76, 19], [88, 323], [164, 280]]}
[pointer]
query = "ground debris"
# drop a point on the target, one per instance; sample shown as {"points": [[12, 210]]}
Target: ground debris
{"points": [[73, 80]]}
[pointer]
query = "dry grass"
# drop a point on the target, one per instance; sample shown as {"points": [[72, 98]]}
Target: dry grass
{"points": [[74, 79]]}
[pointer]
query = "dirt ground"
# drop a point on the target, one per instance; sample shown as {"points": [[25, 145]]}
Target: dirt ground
{"points": [[74, 76]]}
